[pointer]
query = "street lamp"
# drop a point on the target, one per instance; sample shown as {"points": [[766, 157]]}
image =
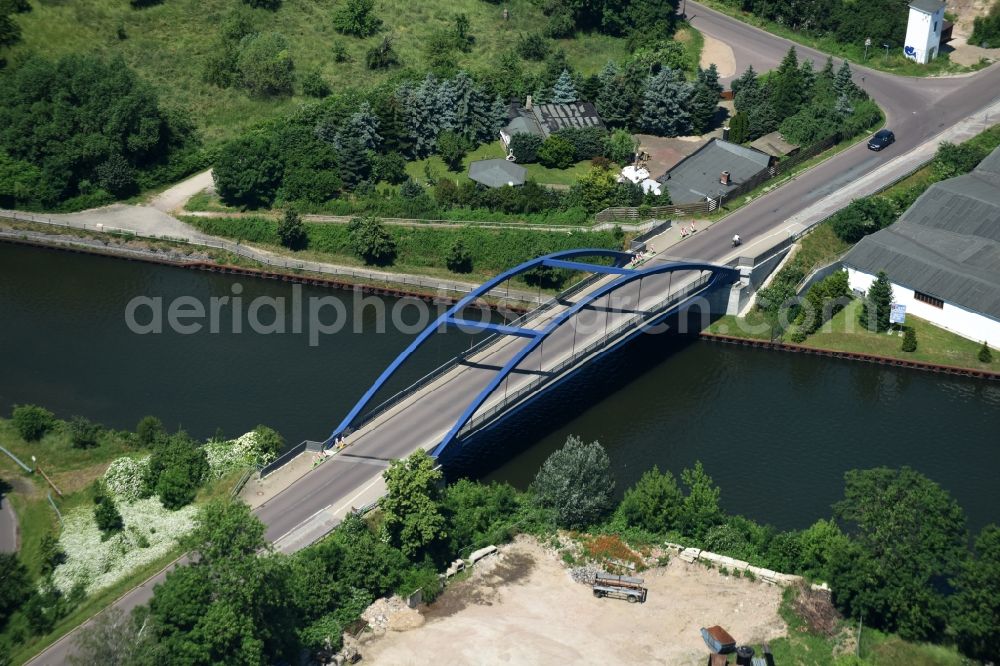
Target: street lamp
{"points": [[886, 45], [868, 43]]}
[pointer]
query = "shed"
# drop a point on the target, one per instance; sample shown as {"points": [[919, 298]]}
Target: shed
{"points": [[497, 173], [774, 145]]}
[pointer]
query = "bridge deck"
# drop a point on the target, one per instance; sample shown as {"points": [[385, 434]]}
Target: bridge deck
{"points": [[422, 419]]}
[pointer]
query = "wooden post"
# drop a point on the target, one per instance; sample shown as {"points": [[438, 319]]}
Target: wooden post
{"points": [[46, 477]]}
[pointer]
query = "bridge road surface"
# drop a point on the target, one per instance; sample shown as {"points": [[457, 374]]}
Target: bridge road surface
{"points": [[422, 420], [916, 109]]}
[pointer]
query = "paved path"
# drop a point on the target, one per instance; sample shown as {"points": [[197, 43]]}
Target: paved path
{"points": [[8, 526]]}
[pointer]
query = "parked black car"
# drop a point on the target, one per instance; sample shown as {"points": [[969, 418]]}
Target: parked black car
{"points": [[881, 139]]}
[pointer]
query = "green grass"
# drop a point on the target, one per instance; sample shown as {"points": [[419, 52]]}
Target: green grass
{"points": [[896, 63], [417, 169], [934, 344], [168, 44], [803, 647]]}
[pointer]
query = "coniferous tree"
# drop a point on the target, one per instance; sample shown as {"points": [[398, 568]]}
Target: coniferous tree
{"points": [[827, 71], [808, 76], [352, 158], [786, 87], [613, 106], [564, 92], [985, 355], [666, 105], [738, 128], [392, 126], [744, 81], [876, 306], [362, 125], [843, 84], [705, 99], [909, 340]]}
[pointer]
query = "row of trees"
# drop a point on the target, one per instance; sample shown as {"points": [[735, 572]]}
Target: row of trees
{"points": [[850, 23], [803, 104], [895, 551]]}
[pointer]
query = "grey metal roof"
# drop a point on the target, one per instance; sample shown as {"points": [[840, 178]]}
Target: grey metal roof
{"points": [[947, 244], [929, 6], [544, 119], [774, 144], [697, 176], [497, 173]]}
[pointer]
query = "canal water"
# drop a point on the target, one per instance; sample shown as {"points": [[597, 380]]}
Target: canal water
{"points": [[776, 431]]}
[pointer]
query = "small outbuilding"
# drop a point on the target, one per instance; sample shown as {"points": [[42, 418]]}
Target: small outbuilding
{"points": [[497, 173], [923, 30], [774, 145]]}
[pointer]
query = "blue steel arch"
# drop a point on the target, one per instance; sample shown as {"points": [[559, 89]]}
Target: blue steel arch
{"points": [[718, 273], [556, 259]]}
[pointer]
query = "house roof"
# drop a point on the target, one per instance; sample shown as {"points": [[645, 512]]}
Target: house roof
{"points": [[947, 244], [497, 173], [544, 119], [774, 144], [929, 6], [697, 176]]}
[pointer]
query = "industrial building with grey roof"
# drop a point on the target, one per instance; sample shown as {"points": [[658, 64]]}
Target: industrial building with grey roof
{"points": [[947, 244]]}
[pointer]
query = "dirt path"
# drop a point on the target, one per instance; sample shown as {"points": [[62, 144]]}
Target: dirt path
{"points": [[523, 608], [720, 54], [174, 198]]}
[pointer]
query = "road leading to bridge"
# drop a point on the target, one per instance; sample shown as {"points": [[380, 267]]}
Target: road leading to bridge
{"points": [[917, 110]]}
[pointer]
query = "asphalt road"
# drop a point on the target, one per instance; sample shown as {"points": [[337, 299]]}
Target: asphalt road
{"points": [[917, 109]]}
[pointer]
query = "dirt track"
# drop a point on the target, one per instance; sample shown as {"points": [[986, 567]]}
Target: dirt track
{"points": [[525, 609]]}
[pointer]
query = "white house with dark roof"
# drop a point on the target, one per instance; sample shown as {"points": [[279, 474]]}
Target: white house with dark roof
{"points": [[943, 255], [923, 30]]}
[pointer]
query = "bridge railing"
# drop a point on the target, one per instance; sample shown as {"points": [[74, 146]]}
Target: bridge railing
{"points": [[636, 320], [288, 455], [479, 347]]}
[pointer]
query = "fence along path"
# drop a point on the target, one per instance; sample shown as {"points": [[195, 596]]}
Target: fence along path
{"points": [[272, 259]]}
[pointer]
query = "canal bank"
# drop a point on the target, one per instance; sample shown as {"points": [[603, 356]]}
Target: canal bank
{"points": [[776, 431]]}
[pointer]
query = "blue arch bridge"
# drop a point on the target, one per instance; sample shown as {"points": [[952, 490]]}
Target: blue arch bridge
{"points": [[514, 362], [524, 357]]}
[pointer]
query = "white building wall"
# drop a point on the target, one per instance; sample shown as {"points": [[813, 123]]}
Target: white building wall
{"points": [[954, 318], [923, 35]]}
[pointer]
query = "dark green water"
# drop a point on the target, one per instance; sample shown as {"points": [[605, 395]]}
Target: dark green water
{"points": [[776, 431]]}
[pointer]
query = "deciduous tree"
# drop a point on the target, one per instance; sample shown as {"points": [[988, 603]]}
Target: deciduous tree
{"points": [[291, 231], [575, 482], [411, 507], [654, 503], [370, 241]]}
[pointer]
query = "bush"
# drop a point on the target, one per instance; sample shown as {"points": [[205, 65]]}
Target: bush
{"points": [[292, 232], [576, 483], [314, 85], [532, 46], [149, 431], [265, 64], [556, 152], [390, 167], [176, 470], [985, 355], [124, 478], [525, 147], [452, 147], [863, 217], [83, 434], [620, 146], [909, 340], [986, 29], [370, 241], [32, 422], [382, 56], [273, 5], [107, 517], [459, 259], [588, 142], [357, 18]]}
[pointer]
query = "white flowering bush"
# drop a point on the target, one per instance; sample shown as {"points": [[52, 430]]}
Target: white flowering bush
{"points": [[150, 532], [239, 453], [124, 477]]}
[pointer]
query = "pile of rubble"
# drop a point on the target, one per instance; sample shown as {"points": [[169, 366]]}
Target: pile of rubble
{"points": [[379, 614], [585, 574]]}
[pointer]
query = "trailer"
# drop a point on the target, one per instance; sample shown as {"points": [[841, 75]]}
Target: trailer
{"points": [[620, 587]]}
